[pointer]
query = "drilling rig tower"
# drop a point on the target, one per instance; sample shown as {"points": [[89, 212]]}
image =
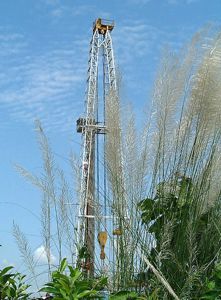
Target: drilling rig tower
{"points": [[92, 128]]}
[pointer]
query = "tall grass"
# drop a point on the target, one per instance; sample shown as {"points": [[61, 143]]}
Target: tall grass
{"points": [[180, 143], [172, 241], [58, 203]]}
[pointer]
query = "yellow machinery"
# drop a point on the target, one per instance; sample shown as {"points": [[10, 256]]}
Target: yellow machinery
{"points": [[117, 231], [102, 239], [103, 25]]}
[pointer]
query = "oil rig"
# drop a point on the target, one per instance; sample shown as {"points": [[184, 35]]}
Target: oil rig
{"points": [[92, 231]]}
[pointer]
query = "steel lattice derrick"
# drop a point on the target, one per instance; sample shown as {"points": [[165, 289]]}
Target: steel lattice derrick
{"points": [[89, 126], [110, 73]]}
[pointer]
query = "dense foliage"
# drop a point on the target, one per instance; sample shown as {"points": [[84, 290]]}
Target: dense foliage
{"points": [[72, 286], [12, 286], [191, 243], [213, 285]]}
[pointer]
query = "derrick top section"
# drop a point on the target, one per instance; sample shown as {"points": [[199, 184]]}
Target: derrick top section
{"points": [[103, 25]]}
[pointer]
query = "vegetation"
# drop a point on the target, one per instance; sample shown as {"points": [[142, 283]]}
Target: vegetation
{"points": [[12, 286], [178, 212], [57, 219], [163, 189], [174, 165], [70, 285], [73, 286], [213, 286]]}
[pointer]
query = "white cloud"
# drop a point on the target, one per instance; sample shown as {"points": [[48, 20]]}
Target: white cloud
{"points": [[137, 44], [139, 36], [40, 255], [43, 85], [49, 85], [135, 40], [58, 9]]}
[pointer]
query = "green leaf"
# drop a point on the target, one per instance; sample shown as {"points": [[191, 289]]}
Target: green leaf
{"points": [[75, 274], [124, 295], [5, 270], [49, 289], [63, 265], [87, 293], [211, 285]]}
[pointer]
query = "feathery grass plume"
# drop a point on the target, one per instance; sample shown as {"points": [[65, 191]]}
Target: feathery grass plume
{"points": [[46, 227], [132, 183], [187, 98], [180, 181], [29, 177], [26, 251], [67, 217], [126, 173], [57, 214], [116, 179], [50, 181]]}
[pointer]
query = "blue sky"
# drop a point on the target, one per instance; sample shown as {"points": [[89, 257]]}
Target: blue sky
{"points": [[43, 64]]}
